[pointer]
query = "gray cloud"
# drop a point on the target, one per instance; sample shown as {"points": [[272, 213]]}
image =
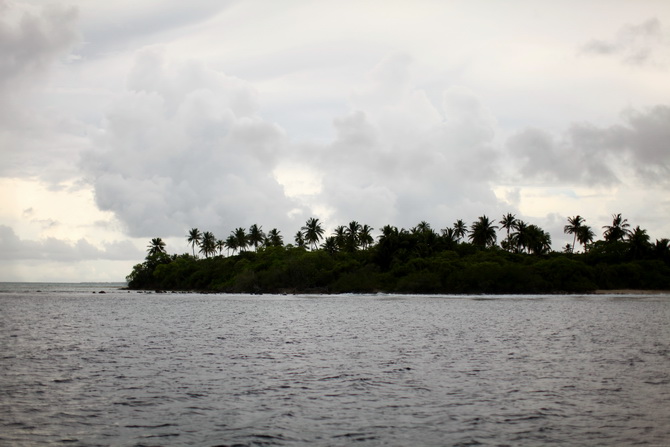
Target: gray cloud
{"points": [[542, 157], [31, 39], [34, 142], [12, 248], [589, 155], [634, 44], [644, 139], [185, 147]]}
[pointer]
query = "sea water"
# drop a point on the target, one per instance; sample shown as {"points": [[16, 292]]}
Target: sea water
{"points": [[79, 367]]}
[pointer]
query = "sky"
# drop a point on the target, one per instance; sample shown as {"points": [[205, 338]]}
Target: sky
{"points": [[128, 120]]}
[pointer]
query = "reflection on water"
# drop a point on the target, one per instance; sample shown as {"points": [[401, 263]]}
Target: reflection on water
{"points": [[147, 369]]}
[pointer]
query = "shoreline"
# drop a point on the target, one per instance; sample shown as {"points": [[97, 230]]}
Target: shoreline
{"points": [[630, 292], [322, 292]]}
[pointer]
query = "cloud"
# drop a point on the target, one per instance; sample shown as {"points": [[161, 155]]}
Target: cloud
{"points": [[12, 248], [114, 26], [634, 44], [195, 116], [589, 155], [34, 141], [31, 39], [186, 147], [398, 158], [543, 158], [644, 139]]}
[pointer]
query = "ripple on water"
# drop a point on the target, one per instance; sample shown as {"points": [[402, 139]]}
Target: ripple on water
{"points": [[139, 369]]}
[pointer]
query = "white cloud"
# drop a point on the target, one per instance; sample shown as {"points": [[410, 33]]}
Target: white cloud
{"points": [[398, 159], [185, 147]]}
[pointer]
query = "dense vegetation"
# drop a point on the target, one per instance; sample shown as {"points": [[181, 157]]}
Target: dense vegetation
{"points": [[457, 260]]}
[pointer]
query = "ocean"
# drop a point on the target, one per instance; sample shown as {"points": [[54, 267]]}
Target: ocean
{"points": [[81, 367]]}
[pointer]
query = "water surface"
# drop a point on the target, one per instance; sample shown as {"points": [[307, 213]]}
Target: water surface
{"points": [[127, 368]]}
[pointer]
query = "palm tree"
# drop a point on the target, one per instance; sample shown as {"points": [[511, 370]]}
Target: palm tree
{"points": [[255, 236], [460, 229], [483, 232], [274, 239], [193, 238], [208, 244], [330, 245], [340, 235], [351, 233], [662, 249], [424, 238], [313, 232], [157, 246], [422, 227], [241, 238], [585, 236], [231, 244], [388, 246], [618, 230], [508, 222], [538, 240], [573, 227], [638, 241], [519, 239], [543, 244], [389, 239], [299, 239], [365, 236], [220, 245], [388, 231], [449, 235]]}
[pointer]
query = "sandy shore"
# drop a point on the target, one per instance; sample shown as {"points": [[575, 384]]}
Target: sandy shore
{"points": [[632, 292]]}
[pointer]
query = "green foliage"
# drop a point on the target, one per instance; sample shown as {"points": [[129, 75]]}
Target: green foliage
{"points": [[563, 274], [367, 279], [415, 261]]}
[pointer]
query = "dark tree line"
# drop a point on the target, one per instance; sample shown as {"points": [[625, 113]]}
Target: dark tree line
{"points": [[457, 259]]}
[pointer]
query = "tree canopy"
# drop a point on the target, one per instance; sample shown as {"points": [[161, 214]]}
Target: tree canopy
{"points": [[418, 260]]}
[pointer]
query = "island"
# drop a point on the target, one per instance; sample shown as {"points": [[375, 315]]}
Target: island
{"points": [[459, 259]]}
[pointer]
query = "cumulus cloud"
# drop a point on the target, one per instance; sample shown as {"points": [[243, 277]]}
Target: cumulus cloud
{"points": [[589, 155], [398, 158], [12, 248], [634, 44], [186, 147]]}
